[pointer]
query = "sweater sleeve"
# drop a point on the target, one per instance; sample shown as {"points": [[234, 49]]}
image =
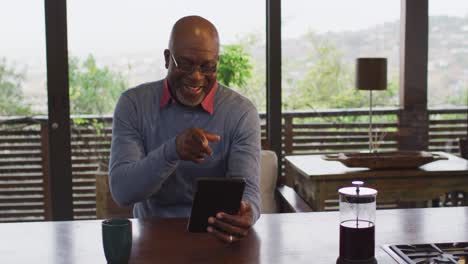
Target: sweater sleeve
{"points": [[244, 157], [133, 175]]}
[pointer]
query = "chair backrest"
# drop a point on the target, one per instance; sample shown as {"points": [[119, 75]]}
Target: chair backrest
{"points": [[268, 178]]}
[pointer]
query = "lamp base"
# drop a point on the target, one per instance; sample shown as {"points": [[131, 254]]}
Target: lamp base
{"points": [[341, 260]]}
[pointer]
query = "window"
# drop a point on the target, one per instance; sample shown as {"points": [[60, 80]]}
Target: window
{"points": [[129, 39], [114, 45], [320, 44], [321, 41], [23, 93], [23, 61], [448, 74], [448, 53]]}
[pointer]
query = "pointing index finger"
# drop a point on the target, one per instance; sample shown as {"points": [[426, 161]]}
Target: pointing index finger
{"points": [[211, 137]]}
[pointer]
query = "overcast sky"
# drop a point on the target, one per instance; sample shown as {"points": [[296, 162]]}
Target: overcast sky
{"points": [[125, 26]]}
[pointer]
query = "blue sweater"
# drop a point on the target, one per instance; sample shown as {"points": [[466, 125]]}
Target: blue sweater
{"points": [[144, 167]]}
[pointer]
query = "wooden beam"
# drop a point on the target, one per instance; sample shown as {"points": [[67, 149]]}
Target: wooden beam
{"points": [[413, 120], [59, 152], [45, 171], [273, 66]]}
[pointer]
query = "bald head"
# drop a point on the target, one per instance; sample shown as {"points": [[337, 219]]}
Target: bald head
{"points": [[195, 31], [191, 59]]}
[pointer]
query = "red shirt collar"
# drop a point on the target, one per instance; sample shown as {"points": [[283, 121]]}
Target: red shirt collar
{"points": [[207, 103]]}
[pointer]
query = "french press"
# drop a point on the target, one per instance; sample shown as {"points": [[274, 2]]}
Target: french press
{"points": [[357, 224]]}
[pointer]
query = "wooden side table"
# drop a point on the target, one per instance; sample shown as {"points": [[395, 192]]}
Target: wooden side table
{"points": [[317, 181]]}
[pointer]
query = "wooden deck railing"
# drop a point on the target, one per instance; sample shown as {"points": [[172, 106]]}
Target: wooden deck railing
{"points": [[23, 167], [445, 127]]}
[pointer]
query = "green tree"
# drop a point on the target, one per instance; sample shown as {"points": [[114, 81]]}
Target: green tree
{"points": [[461, 99], [237, 70], [234, 66], [93, 89], [328, 82], [12, 100]]}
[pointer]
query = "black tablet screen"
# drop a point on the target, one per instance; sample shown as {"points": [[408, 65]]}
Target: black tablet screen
{"points": [[214, 195]]}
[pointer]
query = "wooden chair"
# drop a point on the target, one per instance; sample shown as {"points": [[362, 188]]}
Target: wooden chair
{"points": [[277, 199]]}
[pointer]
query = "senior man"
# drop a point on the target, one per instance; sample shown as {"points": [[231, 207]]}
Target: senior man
{"points": [[169, 132]]}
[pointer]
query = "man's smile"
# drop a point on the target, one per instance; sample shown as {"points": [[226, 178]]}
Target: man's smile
{"points": [[193, 90]]}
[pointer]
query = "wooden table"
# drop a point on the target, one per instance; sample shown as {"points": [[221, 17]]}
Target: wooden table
{"points": [[317, 180], [277, 238]]}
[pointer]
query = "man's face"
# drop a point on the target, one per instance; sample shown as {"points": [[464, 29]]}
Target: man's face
{"points": [[195, 74]]}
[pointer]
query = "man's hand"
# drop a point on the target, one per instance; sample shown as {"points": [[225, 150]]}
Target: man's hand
{"points": [[192, 144], [232, 228]]}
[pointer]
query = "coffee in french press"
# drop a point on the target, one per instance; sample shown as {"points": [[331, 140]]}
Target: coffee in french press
{"points": [[357, 224]]}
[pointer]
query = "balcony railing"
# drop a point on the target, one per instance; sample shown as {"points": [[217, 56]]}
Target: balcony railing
{"points": [[24, 179]]}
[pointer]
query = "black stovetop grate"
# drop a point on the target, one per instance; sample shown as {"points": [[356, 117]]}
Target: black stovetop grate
{"points": [[436, 253]]}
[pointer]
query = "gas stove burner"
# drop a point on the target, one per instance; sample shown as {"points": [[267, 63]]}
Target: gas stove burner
{"points": [[436, 253]]}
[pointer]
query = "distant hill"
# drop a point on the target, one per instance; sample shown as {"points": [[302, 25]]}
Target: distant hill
{"points": [[448, 54], [447, 67]]}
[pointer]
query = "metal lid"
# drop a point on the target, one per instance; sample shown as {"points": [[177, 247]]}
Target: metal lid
{"points": [[358, 191]]}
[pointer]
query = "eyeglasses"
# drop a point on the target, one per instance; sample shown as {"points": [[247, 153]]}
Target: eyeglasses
{"points": [[189, 68]]}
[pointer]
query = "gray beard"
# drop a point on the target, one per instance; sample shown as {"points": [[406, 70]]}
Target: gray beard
{"points": [[188, 102]]}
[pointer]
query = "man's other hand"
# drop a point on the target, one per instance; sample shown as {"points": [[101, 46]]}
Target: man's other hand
{"points": [[232, 228], [193, 145]]}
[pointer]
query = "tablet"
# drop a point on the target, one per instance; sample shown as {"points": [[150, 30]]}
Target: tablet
{"points": [[214, 195]]}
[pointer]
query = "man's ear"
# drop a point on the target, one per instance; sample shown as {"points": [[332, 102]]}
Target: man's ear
{"points": [[167, 55]]}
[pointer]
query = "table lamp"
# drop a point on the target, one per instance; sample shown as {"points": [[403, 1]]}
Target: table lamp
{"points": [[371, 74]]}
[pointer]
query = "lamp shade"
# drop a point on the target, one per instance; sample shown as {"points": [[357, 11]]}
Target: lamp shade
{"points": [[371, 73]]}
